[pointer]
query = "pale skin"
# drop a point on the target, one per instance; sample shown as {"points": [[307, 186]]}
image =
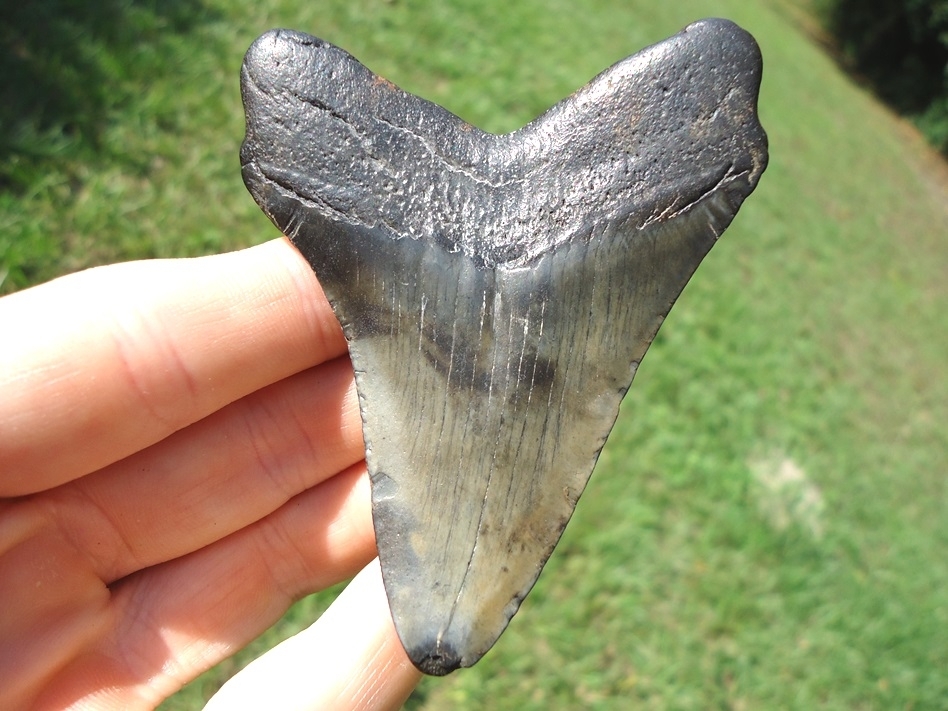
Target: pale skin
{"points": [[181, 458]]}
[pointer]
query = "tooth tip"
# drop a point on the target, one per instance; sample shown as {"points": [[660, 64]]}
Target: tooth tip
{"points": [[437, 659]]}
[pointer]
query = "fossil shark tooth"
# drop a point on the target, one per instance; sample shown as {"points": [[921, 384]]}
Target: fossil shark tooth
{"points": [[497, 291]]}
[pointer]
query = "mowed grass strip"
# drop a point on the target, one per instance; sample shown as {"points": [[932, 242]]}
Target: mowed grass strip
{"points": [[766, 526]]}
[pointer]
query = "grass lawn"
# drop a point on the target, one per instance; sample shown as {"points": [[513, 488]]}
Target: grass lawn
{"points": [[767, 525]]}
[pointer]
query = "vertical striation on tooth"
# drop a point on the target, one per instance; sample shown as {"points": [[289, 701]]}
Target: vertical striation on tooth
{"points": [[497, 291]]}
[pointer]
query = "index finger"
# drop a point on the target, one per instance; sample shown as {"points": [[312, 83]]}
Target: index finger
{"points": [[100, 364]]}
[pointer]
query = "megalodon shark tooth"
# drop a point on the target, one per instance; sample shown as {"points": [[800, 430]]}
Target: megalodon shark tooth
{"points": [[497, 291]]}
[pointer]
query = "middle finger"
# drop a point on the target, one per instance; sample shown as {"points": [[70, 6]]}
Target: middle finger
{"points": [[215, 477]]}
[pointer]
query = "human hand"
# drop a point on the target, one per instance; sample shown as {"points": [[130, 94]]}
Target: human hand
{"points": [[181, 459]]}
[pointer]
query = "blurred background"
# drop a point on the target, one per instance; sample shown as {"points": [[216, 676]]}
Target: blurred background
{"points": [[767, 527]]}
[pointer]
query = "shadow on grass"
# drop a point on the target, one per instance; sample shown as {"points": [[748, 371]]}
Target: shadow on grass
{"points": [[67, 65], [900, 49]]}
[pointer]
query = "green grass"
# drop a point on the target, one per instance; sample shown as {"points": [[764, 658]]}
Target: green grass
{"points": [[766, 527]]}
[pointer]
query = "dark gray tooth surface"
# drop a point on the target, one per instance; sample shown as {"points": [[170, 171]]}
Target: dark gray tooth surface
{"points": [[497, 292]]}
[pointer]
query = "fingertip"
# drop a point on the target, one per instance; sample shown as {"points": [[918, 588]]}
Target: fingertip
{"points": [[350, 659]]}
